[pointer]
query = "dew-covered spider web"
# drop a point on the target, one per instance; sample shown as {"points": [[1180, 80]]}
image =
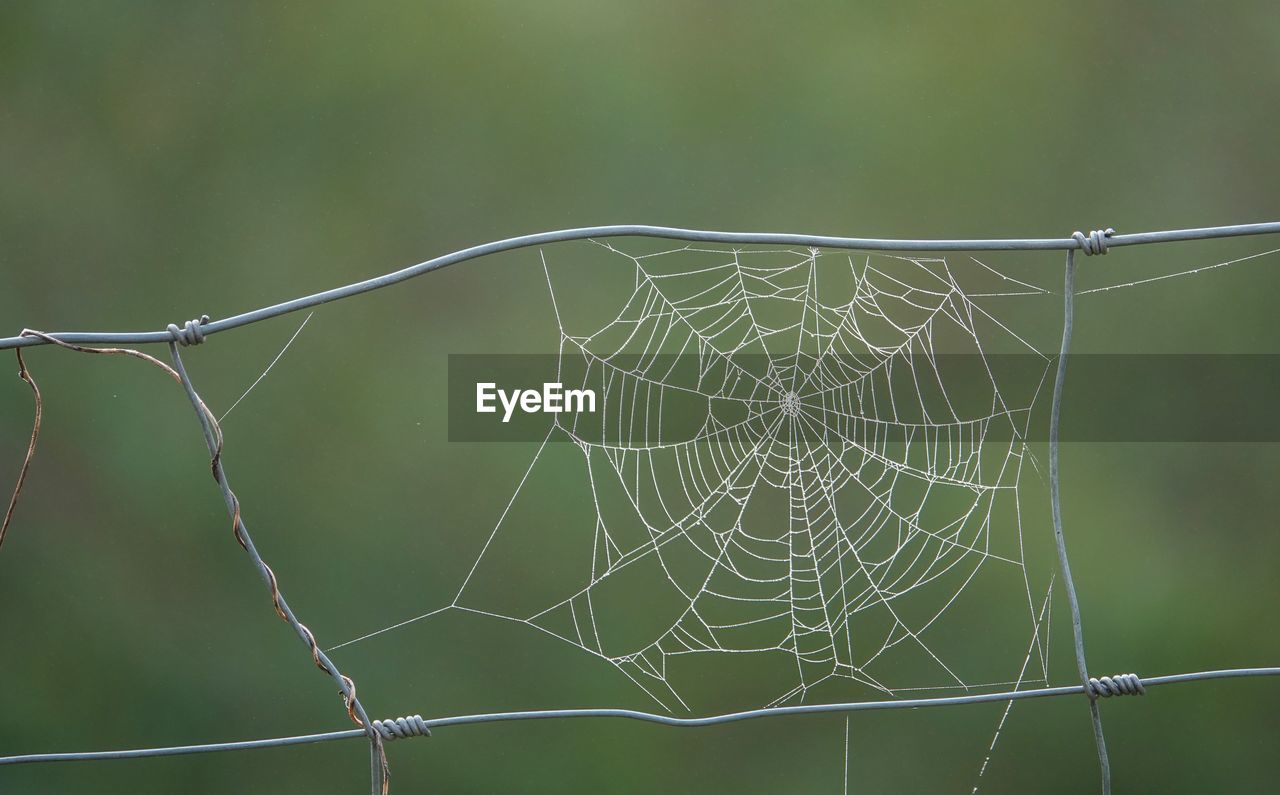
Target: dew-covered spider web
{"points": [[804, 469], [810, 474]]}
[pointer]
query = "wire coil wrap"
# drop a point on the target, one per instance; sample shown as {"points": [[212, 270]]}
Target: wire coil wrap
{"points": [[397, 728], [1118, 685], [1095, 242], [190, 333]]}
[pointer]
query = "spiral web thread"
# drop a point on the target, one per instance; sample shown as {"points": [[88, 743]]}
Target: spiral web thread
{"points": [[859, 457]]}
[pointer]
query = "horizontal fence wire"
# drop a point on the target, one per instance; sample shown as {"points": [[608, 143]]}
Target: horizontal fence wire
{"points": [[628, 714], [640, 230]]}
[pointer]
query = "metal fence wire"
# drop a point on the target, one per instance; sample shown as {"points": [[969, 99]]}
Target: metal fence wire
{"points": [[379, 732]]}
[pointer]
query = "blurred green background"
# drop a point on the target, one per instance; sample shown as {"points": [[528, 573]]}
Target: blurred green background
{"points": [[159, 161]]}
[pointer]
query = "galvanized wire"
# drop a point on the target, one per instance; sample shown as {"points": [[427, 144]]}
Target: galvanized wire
{"points": [[379, 773], [627, 714], [1095, 243], [639, 230]]}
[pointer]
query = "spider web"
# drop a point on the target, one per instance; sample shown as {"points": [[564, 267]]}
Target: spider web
{"points": [[783, 479]]}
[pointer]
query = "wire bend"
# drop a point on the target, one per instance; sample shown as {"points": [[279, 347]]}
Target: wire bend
{"points": [[398, 728], [1093, 243], [1098, 242], [1118, 685], [190, 333]]}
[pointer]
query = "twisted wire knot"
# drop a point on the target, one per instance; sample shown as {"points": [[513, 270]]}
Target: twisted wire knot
{"points": [[412, 726], [1118, 685], [190, 333], [1095, 242]]}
